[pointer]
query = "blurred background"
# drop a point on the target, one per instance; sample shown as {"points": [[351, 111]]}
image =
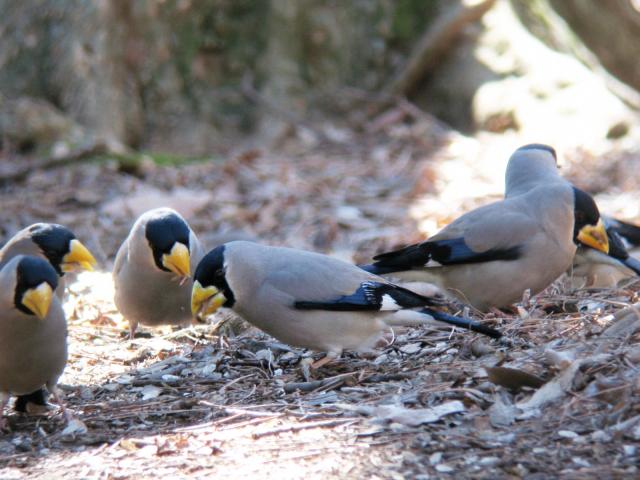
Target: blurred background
{"points": [[340, 126]]}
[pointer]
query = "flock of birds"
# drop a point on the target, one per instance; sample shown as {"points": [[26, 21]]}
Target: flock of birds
{"points": [[487, 258]]}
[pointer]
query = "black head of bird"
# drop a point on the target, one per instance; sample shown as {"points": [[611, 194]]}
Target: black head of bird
{"points": [[35, 282], [210, 288], [168, 237], [588, 227], [65, 252]]}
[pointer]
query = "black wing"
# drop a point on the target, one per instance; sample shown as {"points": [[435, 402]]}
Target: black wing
{"points": [[618, 251], [375, 296], [372, 296], [628, 231], [452, 251]]}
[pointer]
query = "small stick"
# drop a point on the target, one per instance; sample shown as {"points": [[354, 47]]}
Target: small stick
{"points": [[303, 426]]}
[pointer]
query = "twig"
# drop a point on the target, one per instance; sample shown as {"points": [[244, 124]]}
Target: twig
{"points": [[235, 380], [387, 377], [98, 147], [331, 382], [239, 411], [303, 426]]}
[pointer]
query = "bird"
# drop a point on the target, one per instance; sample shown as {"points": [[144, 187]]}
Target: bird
{"points": [[593, 268], [33, 330], [152, 270], [490, 256], [59, 245], [53, 242], [308, 299]]}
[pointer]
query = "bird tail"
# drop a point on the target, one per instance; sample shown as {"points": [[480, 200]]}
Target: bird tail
{"points": [[462, 322], [427, 316], [629, 231]]}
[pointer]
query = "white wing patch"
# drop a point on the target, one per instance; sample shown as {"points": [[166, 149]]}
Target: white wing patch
{"points": [[388, 303], [432, 263]]}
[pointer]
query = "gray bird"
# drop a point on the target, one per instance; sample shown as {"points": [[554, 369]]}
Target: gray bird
{"points": [[57, 244], [307, 299], [53, 242], [489, 256], [153, 268], [33, 330], [593, 268]]}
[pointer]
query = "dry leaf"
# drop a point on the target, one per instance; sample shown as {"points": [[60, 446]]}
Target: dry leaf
{"points": [[513, 378], [411, 417], [74, 427], [150, 391], [551, 391]]}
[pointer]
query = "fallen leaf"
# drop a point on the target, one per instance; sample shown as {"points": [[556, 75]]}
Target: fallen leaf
{"points": [[551, 391], [501, 414], [150, 391], [411, 417], [74, 427], [513, 378]]}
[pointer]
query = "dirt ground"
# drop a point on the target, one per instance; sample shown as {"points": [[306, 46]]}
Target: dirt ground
{"points": [[558, 396]]}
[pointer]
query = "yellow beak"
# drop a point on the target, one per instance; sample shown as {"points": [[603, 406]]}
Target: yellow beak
{"points": [[178, 260], [595, 236], [78, 258], [38, 299], [205, 300]]}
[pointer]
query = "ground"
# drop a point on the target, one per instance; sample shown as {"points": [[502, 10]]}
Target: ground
{"points": [[558, 396]]}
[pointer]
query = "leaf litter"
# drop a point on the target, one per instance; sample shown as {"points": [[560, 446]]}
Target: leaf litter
{"points": [[559, 396]]}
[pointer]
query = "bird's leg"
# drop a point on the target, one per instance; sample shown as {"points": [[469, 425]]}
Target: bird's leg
{"points": [[133, 325], [4, 424], [56, 394]]}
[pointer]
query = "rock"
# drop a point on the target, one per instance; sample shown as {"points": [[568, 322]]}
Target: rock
{"points": [[29, 123]]}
